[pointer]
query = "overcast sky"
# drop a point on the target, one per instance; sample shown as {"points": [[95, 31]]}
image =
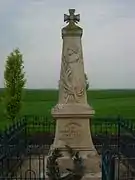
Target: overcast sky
{"points": [[108, 40]]}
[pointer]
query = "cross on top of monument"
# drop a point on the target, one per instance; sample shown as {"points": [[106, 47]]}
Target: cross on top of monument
{"points": [[71, 17]]}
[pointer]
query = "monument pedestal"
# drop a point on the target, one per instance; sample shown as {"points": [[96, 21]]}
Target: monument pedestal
{"points": [[73, 129]]}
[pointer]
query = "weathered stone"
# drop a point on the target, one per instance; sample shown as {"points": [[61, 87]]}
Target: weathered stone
{"points": [[72, 113]]}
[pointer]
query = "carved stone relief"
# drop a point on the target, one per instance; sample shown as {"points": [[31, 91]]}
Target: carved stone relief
{"points": [[71, 83], [72, 132]]}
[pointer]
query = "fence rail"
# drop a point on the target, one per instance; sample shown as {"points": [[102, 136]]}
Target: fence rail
{"points": [[33, 135]]}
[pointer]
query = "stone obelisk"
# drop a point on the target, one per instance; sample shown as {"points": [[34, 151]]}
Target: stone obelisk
{"points": [[72, 113]]}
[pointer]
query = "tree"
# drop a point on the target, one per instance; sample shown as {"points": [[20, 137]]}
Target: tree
{"points": [[87, 82], [14, 82]]}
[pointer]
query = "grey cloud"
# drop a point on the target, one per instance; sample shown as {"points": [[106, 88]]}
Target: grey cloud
{"points": [[108, 40]]}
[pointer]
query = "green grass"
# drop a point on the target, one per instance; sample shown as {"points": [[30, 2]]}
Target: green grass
{"points": [[105, 102]]}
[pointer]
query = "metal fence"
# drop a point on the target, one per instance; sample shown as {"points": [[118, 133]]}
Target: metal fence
{"points": [[25, 144], [119, 163]]}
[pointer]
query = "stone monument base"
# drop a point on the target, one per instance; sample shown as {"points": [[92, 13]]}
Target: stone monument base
{"points": [[92, 164], [92, 176], [87, 176], [73, 129], [92, 172], [92, 161]]}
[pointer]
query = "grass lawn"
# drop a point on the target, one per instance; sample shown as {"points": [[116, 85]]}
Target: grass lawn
{"points": [[105, 102]]}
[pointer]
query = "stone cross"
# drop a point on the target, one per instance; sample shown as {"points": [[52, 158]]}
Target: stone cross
{"points": [[71, 17]]}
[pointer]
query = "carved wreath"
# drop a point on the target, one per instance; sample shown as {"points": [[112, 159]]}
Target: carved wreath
{"points": [[72, 92], [53, 170]]}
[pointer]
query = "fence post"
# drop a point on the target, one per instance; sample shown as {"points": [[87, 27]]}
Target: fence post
{"points": [[119, 138], [116, 168]]}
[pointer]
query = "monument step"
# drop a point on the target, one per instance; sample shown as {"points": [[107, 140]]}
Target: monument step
{"points": [[87, 176], [92, 176], [92, 164]]}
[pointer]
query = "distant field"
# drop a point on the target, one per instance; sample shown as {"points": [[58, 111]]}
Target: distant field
{"points": [[105, 103]]}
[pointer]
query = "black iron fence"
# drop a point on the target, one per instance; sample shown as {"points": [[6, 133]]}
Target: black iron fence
{"points": [[28, 140], [108, 164], [12, 146]]}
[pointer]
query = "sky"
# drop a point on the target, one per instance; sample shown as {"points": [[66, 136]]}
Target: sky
{"points": [[34, 26]]}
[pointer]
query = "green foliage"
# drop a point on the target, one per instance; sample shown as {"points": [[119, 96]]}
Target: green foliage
{"points": [[106, 103], [14, 77]]}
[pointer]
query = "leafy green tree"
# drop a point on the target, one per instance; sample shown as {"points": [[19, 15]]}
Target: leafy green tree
{"points": [[14, 82]]}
